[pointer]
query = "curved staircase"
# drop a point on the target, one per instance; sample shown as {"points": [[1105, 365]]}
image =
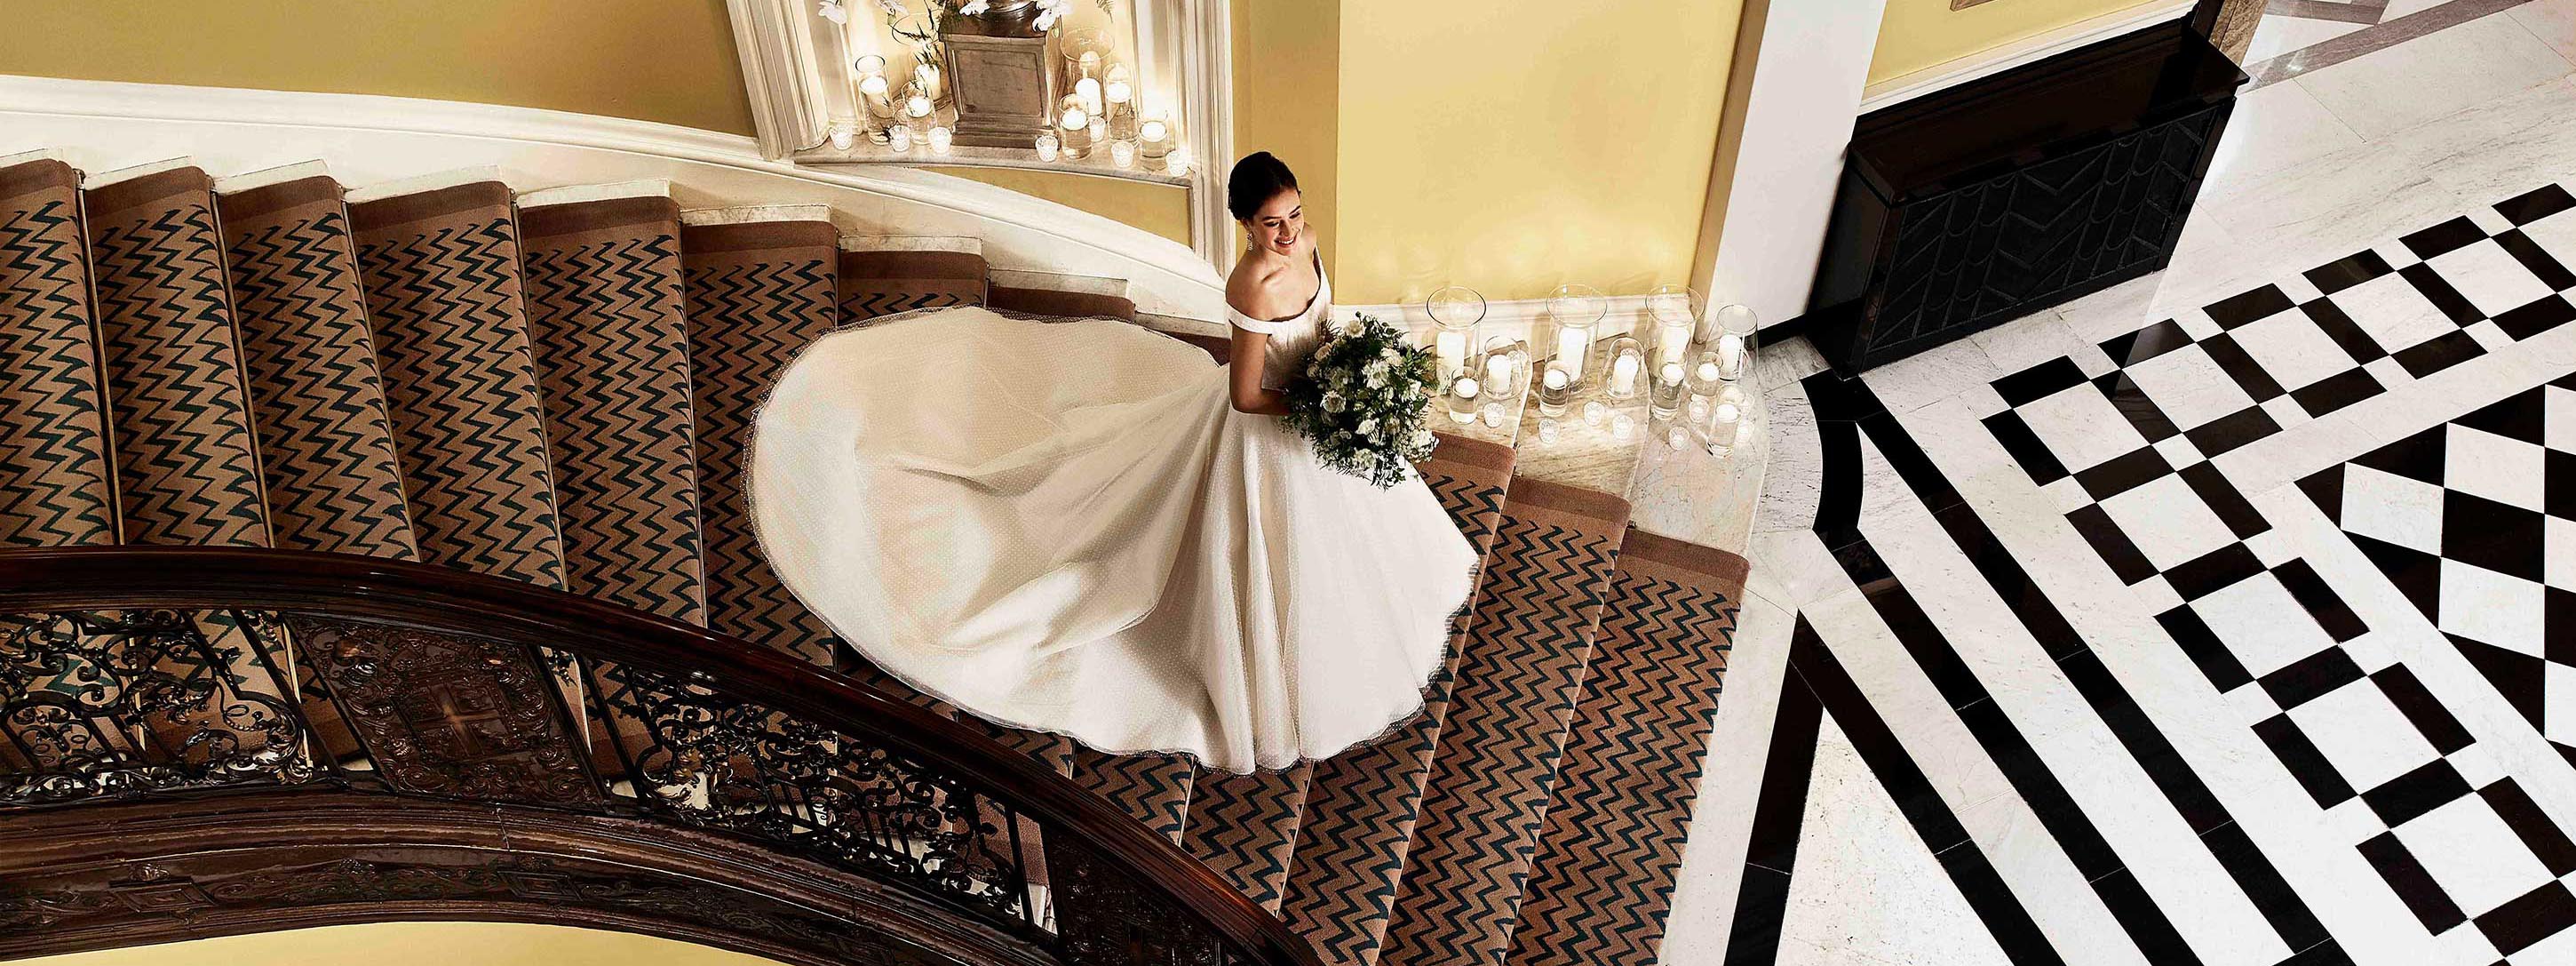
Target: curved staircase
{"points": [[557, 389]]}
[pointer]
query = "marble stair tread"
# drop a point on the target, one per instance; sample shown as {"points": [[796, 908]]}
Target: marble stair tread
{"points": [[187, 459], [605, 191], [57, 480], [317, 393], [446, 300], [264, 177], [425, 183]]}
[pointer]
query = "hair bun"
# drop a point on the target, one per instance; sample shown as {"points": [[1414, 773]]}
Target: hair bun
{"points": [[1255, 180]]}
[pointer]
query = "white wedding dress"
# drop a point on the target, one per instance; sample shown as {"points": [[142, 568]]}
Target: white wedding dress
{"points": [[1065, 526]]}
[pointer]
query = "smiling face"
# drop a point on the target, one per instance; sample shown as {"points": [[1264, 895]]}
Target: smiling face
{"points": [[1279, 224]]}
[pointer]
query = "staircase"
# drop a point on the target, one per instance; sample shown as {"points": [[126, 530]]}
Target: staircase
{"points": [[558, 388]]}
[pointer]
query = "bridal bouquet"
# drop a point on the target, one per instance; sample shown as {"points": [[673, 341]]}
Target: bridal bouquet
{"points": [[1364, 401]]}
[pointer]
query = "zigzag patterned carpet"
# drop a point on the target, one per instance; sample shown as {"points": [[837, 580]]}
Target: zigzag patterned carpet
{"points": [[57, 477], [875, 283], [326, 442]]}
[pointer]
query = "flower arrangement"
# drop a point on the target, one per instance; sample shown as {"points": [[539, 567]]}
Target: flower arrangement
{"points": [[1364, 402]]}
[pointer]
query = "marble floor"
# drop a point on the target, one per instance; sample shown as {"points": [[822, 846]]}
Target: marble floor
{"points": [[2225, 617]]}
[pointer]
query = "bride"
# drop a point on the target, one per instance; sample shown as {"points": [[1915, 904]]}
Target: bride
{"points": [[1086, 528]]}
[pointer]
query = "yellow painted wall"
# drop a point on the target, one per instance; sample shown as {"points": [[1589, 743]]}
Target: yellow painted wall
{"points": [[1287, 100], [1526, 143], [420, 944], [1917, 34]]}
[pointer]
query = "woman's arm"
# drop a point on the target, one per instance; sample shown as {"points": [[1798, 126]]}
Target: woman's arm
{"points": [[1245, 376]]}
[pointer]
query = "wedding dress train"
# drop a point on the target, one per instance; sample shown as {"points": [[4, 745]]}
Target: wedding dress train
{"points": [[1065, 526]]}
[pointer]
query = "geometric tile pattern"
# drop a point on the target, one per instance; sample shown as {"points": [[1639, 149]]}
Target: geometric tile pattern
{"points": [[1355, 830], [441, 275], [1604, 876], [605, 310], [186, 457], [57, 483], [1516, 684], [326, 443]]}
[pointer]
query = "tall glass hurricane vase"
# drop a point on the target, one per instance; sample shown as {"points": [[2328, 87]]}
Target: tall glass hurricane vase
{"points": [[1574, 315], [1455, 312]]}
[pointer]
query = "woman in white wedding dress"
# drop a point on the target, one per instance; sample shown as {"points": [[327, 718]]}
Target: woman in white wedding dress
{"points": [[1087, 528]]}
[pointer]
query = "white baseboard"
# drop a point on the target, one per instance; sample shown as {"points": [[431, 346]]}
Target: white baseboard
{"points": [[1906, 87]]}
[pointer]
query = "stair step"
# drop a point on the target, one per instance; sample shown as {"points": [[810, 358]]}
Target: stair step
{"points": [[1055, 294], [1517, 681], [612, 350], [1153, 789], [1245, 827], [883, 276], [187, 459], [1603, 877], [317, 399], [1356, 827], [57, 467], [445, 298]]}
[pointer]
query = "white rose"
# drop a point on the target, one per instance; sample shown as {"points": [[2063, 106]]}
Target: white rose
{"points": [[1368, 427], [1334, 403]]}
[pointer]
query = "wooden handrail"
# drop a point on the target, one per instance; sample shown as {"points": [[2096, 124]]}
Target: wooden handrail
{"points": [[454, 601]]}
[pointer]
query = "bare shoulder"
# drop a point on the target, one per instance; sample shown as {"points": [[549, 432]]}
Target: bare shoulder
{"points": [[1256, 288]]}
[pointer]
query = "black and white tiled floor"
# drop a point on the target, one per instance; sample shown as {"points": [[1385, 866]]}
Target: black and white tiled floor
{"points": [[2222, 622]]}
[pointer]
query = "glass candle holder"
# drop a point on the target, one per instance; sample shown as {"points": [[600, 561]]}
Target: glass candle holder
{"points": [[1494, 415], [1122, 154], [1154, 143], [1088, 91], [941, 139], [1596, 413], [1623, 427], [1546, 430], [1120, 97], [1574, 312], [1672, 312], [1454, 312], [1047, 146], [1733, 341], [879, 100], [1177, 164], [1664, 393], [1505, 367], [1086, 54], [1555, 389], [1625, 378], [899, 139], [1074, 134], [844, 134], [1462, 399], [917, 114]]}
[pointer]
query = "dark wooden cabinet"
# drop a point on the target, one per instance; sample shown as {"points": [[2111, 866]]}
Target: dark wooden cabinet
{"points": [[1979, 204]]}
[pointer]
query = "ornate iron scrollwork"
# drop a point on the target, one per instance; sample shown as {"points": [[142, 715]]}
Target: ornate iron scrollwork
{"points": [[448, 715], [108, 703], [1107, 918]]}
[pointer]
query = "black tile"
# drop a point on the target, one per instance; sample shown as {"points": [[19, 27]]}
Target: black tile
{"points": [[2204, 648], [1779, 814], [2542, 265], [2558, 626], [2516, 676], [1910, 462], [2040, 789], [2142, 920], [2002, 913], [2120, 474], [2303, 760], [2271, 894], [2448, 236], [2232, 430], [2419, 457], [2039, 382], [2523, 416], [2438, 353], [2438, 291], [1761, 902], [2131, 400], [2417, 574], [2531, 206], [2558, 484], [2025, 448], [2337, 391], [2536, 915], [2500, 537], [1833, 398], [1922, 638], [2412, 883], [2321, 601], [2155, 755], [2242, 368], [2535, 317], [2348, 271], [2325, 488], [2222, 499], [2010, 583], [1838, 492], [1815, 665], [2407, 797], [2114, 547], [2146, 343], [2214, 571], [2543, 837], [2327, 953], [2311, 677], [2434, 722], [2248, 307], [2347, 334]]}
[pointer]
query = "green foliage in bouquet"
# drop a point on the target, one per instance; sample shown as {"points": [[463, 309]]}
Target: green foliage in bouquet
{"points": [[1364, 401]]}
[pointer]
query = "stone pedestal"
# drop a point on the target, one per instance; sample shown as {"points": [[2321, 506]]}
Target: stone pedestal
{"points": [[997, 71]]}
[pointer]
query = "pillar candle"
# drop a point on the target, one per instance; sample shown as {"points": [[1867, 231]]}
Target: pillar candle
{"points": [[1730, 356], [1075, 134], [1498, 370], [1450, 347], [1572, 348], [1089, 91], [917, 113], [1671, 341], [880, 106]]}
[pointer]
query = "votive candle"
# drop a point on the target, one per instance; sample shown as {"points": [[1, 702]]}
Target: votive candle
{"points": [[1075, 132], [1122, 153], [1462, 400], [916, 112], [1155, 140], [899, 139], [940, 140], [1047, 145]]}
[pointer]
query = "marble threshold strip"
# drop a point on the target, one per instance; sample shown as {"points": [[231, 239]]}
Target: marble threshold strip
{"points": [[1845, 409], [2380, 35]]}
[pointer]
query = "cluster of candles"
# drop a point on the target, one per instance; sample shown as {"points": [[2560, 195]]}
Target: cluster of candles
{"points": [[1101, 115], [900, 124], [1694, 386]]}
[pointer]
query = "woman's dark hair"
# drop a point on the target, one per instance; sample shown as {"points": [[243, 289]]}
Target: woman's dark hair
{"points": [[1256, 179]]}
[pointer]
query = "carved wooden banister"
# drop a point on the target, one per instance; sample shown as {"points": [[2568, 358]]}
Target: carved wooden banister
{"points": [[196, 741]]}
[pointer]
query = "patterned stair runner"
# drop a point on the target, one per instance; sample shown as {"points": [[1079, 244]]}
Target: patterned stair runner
{"points": [[878, 280], [1245, 827], [1153, 788], [1517, 681], [612, 350], [757, 293], [325, 440], [1071, 305], [1603, 879], [57, 468], [441, 275], [1356, 826], [186, 458]]}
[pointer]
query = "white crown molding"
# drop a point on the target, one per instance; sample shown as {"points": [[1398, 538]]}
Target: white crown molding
{"points": [[1906, 87], [88, 118]]}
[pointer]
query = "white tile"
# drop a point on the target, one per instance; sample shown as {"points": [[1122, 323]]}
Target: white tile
{"points": [[2491, 279], [2286, 412], [2385, 506], [2497, 149], [2489, 221], [2363, 735], [2387, 90], [2489, 335], [2168, 522], [2558, 714], [2262, 624], [2558, 420], [2188, 387], [2115, 311], [2028, 341], [1932, 375], [2394, 313], [2557, 949], [2292, 349], [2477, 766], [2081, 427], [2473, 854], [2485, 464], [2353, 821], [2556, 235], [2491, 608], [2274, 127], [2178, 450], [2277, 35], [2554, 22]]}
